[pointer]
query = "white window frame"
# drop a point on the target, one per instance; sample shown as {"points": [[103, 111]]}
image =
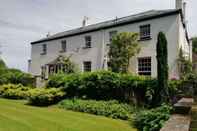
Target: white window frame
{"points": [[145, 32], [63, 46], [88, 41], [146, 68], [85, 66]]}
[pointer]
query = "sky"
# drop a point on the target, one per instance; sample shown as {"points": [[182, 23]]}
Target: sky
{"points": [[24, 21]]}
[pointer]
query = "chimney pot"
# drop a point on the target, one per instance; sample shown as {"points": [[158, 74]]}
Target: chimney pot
{"points": [[179, 4]]}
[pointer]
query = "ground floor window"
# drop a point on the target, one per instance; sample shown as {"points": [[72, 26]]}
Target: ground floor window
{"points": [[87, 66], [56, 68], [144, 66]]}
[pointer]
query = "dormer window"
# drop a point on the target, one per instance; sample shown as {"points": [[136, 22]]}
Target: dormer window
{"points": [[88, 41], [145, 32]]}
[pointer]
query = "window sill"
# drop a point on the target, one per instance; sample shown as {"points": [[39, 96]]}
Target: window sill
{"points": [[145, 39], [87, 47], [43, 54], [62, 51]]}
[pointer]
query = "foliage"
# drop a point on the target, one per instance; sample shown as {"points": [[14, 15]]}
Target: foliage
{"points": [[12, 91], [185, 65], [105, 85], [111, 109], [194, 43], [162, 69], [17, 116], [14, 76], [123, 47], [44, 97], [152, 120], [2, 64]]}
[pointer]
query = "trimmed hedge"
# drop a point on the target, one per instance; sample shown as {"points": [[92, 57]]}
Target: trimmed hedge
{"points": [[104, 85], [152, 120], [111, 109], [12, 91], [44, 97]]}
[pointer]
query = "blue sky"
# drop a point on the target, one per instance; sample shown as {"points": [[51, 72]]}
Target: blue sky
{"points": [[23, 21]]}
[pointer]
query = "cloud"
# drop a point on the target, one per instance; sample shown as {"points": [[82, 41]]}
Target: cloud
{"points": [[19, 26]]}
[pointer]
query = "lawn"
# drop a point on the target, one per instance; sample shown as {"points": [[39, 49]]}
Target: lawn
{"points": [[16, 116]]}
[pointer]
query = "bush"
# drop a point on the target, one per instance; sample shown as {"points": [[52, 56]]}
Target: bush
{"points": [[13, 91], [111, 109], [15, 76], [104, 85], [152, 120], [44, 97]]}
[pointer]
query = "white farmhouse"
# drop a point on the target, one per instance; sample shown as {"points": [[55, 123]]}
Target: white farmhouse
{"points": [[88, 46]]}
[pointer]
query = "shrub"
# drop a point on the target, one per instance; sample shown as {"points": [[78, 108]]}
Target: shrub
{"points": [[44, 97], [152, 120], [104, 85], [15, 76], [12, 91], [111, 109]]}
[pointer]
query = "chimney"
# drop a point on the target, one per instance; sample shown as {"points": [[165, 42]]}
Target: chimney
{"points": [[179, 4], [184, 9], [48, 34], [85, 19]]}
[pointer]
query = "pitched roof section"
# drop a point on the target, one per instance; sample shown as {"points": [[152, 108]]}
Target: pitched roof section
{"points": [[112, 23]]}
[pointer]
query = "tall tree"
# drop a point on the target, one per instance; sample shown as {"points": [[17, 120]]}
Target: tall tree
{"points": [[194, 43], [123, 47], [162, 68]]}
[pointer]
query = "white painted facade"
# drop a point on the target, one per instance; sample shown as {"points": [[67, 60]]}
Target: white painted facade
{"points": [[171, 25]]}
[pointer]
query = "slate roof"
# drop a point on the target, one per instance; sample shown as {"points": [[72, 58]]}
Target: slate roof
{"points": [[112, 23]]}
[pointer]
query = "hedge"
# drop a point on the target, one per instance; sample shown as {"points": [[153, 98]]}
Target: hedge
{"points": [[105, 85], [111, 109], [12, 91], [44, 97]]}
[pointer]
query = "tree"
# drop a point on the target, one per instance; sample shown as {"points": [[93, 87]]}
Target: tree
{"points": [[123, 47], [185, 65], [162, 68], [194, 43]]}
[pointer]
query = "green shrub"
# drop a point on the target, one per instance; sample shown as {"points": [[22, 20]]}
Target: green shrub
{"points": [[12, 91], [15, 76], [44, 97], [104, 85], [111, 109], [152, 120]]}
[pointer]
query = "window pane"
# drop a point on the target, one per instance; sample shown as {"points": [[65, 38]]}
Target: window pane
{"points": [[87, 66], [111, 35], [88, 41], [145, 31], [44, 49], [64, 46], [144, 66]]}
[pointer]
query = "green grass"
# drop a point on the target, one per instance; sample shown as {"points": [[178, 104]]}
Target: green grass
{"points": [[16, 116]]}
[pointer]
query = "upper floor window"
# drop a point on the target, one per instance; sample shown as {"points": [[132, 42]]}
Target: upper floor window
{"points": [[88, 41], [87, 66], [44, 49], [144, 66], [145, 32], [63, 46], [112, 34]]}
